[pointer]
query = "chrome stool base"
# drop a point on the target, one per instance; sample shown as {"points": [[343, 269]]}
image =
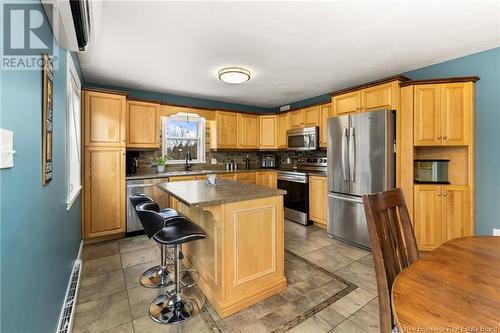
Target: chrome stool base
{"points": [[156, 277], [169, 308]]}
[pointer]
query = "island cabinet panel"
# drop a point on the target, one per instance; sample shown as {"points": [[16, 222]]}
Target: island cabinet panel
{"points": [[311, 116], [248, 128], [427, 217], [325, 113], [104, 119], [226, 126], [297, 118], [247, 177], [267, 179], [283, 126], [104, 191], [143, 130], [269, 132], [317, 200], [380, 97], [347, 103], [241, 261]]}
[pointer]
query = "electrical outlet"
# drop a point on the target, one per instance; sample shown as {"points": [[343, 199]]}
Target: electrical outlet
{"points": [[285, 108], [496, 232]]}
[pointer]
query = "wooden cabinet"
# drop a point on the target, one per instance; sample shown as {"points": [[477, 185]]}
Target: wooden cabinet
{"points": [[104, 119], [269, 132], [318, 200], [226, 127], [229, 176], [248, 131], [247, 177], [441, 214], [297, 118], [267, 179], [143, 130], [381, 96], [347, 103], [185, 178], [324, 113], [283, 126], [104, 191], [443, 114], [311, 116]]}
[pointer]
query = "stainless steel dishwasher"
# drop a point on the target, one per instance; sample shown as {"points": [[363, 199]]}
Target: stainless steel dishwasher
{"points": [[148, 187]]}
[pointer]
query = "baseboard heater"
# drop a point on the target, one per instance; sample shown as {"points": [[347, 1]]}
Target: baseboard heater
{"points": [[67, 316]]}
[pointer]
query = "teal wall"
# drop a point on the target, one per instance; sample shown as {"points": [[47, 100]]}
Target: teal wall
{"points": [[39, 237], [183, 100], [486, 65]]}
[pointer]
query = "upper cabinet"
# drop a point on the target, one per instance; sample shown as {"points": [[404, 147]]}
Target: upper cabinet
{"points": [[443, 114], [311, 116], [324, 113], [283, 126], [226, 130], [297, 118], [248, 128], [269, 132], [104, 119], [379, 96], [143, 125]]}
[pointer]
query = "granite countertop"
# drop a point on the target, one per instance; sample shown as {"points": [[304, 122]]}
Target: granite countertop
{"points": [[196, 193], [167, 174]]}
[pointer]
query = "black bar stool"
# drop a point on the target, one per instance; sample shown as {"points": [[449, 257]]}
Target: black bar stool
{"points": [[183, 303], [157, 276]]}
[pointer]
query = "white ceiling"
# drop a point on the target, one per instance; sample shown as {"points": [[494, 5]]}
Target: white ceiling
{"points": [[294, 50]]}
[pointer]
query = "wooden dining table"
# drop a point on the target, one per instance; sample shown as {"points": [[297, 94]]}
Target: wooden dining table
{"points": [[455, 288]]}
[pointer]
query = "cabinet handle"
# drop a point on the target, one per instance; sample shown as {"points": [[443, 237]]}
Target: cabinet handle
{"points": [[439, 137], [439, 194], [445, 194], [445, 137]]}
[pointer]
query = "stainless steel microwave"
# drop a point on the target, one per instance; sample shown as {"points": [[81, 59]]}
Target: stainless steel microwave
{"points": [[302, 138]]}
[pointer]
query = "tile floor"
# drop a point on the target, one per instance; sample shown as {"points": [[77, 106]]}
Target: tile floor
{"points": [[331, 288]]}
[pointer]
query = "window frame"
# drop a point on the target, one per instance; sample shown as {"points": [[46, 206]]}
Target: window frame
{"points": [[181, 116], [73, 85]]}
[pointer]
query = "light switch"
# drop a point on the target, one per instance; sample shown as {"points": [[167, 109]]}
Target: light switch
{"points": [[6, 149]]}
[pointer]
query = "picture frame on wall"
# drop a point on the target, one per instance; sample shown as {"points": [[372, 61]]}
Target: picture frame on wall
{"points": [[47, 119]]}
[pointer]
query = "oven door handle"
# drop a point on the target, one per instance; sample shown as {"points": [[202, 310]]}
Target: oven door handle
{"points": [[292, 179]]}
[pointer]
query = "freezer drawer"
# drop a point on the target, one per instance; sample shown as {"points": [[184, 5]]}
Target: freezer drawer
{"points": [[346, 219]]}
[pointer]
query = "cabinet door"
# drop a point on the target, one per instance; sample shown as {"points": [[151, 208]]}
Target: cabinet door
{"points": [[456, 214], [283, 126], [248, 131], [311, 116], [104, 119], [297, 118], [247, 177], [317, 199], [427, 115], [427, 217], [104, 191], [347, 103], [456, 113], [229, 176], [183, 178], [378, 97], [227, 129], [272, 179], [262, 179], [268, 132], [324, 112], [142, 125]]}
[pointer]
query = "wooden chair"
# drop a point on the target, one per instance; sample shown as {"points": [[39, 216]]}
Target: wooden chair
{"points": [[393, 245]]}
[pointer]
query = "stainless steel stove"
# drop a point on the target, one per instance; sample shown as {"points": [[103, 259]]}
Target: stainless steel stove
{"points": [[295, 181]]}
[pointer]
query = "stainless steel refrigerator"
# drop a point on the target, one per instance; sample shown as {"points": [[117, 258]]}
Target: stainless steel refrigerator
{"points": [[361, 160]]}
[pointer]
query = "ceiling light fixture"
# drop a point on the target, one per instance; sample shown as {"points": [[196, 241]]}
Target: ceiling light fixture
{"points": [[234, 75]]}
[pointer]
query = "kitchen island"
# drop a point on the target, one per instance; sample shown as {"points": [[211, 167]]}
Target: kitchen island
{"points": [[241, 262]]}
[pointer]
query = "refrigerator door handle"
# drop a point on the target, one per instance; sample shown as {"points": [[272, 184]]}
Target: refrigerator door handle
{"points": [[352, 154], [344, 166], [345, 198]]}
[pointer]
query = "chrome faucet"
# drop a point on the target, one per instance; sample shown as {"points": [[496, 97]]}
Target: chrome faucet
{"points": [[188, 158]]}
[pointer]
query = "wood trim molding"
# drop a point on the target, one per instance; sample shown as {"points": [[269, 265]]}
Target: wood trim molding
{"points": [[370, 84], [107, 91], [474, 79]]}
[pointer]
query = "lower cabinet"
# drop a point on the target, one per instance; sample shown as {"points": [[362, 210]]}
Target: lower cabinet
{"points": [[229, 176], [267, 179], [317, 200], [185, 178], [104, 191], [441, 213], [247, 177]]}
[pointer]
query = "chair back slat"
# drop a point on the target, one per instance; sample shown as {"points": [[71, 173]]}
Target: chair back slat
{"points": [[151, 220], [393, 245]]}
